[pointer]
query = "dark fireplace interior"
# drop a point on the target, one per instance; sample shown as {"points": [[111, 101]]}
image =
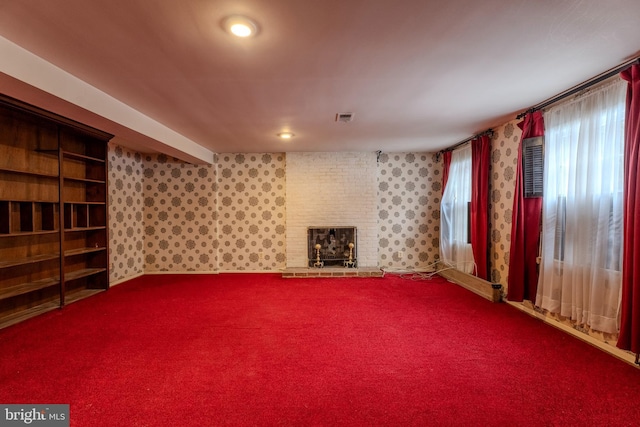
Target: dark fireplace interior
{"points": [[333, 250]]}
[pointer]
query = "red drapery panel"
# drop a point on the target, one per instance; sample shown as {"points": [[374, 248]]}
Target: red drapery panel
{"points": [[630, 315], [525, 225], [480, 160], [446, 157]]}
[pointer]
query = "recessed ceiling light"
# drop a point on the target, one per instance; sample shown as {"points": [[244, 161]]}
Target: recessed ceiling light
{"points": [[286, 135], [240, 26]]}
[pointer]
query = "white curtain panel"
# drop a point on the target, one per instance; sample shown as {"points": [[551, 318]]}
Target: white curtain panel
{"points": [[580, 273], [455, 251]]}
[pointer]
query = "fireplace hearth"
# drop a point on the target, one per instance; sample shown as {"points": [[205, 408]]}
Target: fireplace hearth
{"points": [[332, 247]]}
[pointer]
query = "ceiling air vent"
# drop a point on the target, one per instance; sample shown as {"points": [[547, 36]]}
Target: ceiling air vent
{"points": [[344, 117]]}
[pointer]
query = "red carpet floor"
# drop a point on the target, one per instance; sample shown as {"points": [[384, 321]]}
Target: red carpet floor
{"points": [[256, 349]]}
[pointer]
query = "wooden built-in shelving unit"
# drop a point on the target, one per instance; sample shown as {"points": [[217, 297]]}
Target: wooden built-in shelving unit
{"points": [[53, 211]]}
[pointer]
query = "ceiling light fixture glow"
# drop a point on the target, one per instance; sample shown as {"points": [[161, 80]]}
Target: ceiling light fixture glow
{"points": [[286, 135], [240, 26]]}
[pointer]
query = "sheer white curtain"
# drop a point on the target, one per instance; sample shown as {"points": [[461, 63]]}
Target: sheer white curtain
{"points": [[580, 274], [455, 246]]}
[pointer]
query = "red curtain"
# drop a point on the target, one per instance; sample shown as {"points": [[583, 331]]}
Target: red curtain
{"points": [[525, 225], [446, 157], [480, 160], [630, 315]]}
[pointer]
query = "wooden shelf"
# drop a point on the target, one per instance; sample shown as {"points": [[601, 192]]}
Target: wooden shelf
{"points": [[94, 181], [52, 152], [25, 288], [85, 272], [82, 251], [27, 218], [53, 202], [20, 316], [78, 295], [29, 260], [30, 173], [53, 195], [77, 229], [68, 202], [78, 156], [28, 233]]}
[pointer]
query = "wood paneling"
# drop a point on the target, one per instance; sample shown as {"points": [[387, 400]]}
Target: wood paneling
{"points": [[53, 214]]}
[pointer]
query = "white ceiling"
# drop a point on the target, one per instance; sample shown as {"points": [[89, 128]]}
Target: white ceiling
{"points": [[418, 75]]}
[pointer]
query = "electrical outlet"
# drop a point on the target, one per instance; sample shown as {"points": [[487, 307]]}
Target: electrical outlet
{"points": [[260, 255], [400, 254]]}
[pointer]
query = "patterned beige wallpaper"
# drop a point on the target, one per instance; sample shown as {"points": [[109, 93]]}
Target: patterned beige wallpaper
{"points": [[163, 212], [251, 211], [409, 191], [179, 215], [167, 215], [504, 159], [126, 240]]}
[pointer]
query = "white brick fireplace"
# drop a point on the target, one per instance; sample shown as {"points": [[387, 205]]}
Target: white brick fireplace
{"points": [[331, 189]]}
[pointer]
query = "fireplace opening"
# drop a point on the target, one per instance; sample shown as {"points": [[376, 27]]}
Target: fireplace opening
{"points": [[332, 247]]}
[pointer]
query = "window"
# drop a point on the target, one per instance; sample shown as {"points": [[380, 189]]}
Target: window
{"points": [[582, 208], [613, 245], [561, 228], [455, 245]]}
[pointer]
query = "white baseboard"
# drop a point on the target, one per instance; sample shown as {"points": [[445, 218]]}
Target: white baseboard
{"points": [[279, 271], [614, 351], [157, 272], [397, 270], [126, 279], [470, 282]]}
